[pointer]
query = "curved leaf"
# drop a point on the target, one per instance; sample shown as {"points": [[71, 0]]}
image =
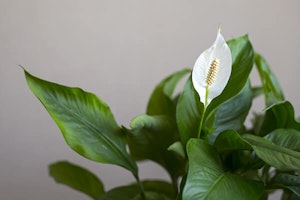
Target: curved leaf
{"points": [[231, 140], [270, 84], [279, 157], [161, 100], [278, 115], [150, 138], [232, 113], [85, 121], [153, 189], [207, 180], [178, 149], [288, 138], [77, 178], [288, 181], [188, 112]]}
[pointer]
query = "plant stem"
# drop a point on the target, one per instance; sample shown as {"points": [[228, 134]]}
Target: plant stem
{"points": [[141, 187], [203, 113], [265, 174], [175, 185], [201, 122]]}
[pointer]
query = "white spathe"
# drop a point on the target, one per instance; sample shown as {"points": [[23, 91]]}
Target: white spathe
{"points": [[219, 57]]}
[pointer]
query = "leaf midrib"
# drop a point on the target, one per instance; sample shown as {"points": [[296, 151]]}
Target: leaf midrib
{"points": [[90, 125], [213, 185]]}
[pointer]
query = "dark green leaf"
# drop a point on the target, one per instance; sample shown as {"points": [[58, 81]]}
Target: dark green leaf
{"points": [[122, 193], [85, 121], [283, 115], [152, 196], [207, 180], [288, 181], [270, 84], [279, 157], [230, 140], [288, 138], [160, 189], [161, 101], [232, 113], [177, 148], [242, 63], [150, 138], [188, 112], [278, 115], [77, 178]]}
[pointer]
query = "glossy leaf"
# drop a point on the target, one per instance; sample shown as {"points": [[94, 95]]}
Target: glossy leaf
{"points": [[188, 112], [230, 140], [232, 113], [242, 63], [207, 180], [161, 100], [270, 84], [288, 138], [150, 138], [288, 181], [85, 121], [153, 189], [279, 157], [278, 115], [178, 148], [77, 178]]}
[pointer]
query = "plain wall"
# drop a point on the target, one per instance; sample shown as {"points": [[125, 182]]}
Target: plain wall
{"points": [[118, 50]]}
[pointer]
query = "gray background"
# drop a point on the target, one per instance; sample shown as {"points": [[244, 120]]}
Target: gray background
{"points": [[118, 50]]}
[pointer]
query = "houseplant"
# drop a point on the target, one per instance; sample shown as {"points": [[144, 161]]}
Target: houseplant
{"points": [[198, 136]]}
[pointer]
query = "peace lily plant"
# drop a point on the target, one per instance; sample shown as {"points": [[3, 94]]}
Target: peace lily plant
{"points": [[198, 136]]}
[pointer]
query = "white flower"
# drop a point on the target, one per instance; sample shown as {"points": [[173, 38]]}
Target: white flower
{"points": [[212, 70]]}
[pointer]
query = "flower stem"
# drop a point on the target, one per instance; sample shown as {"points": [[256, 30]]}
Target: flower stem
{"points": [[203, 113], [141, 187], [201, 122]]}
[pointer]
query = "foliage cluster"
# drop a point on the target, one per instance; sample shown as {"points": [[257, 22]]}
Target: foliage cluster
{"points": [[228, 161]]}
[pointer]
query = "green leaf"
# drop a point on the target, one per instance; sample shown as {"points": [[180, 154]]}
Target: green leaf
{"points": [[230, 140], [122, 193], [161, 101], [153, 189], [232, 113], [242, 63], [188, 112], [288, 181], [77, 178], [270, 84], [288, 138], [283, 115], [207, 180], [231, 147], [85, 121], [279, 157], [150, 138], [177, 148], [257, 91], [152, 196], [278, 115]]}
